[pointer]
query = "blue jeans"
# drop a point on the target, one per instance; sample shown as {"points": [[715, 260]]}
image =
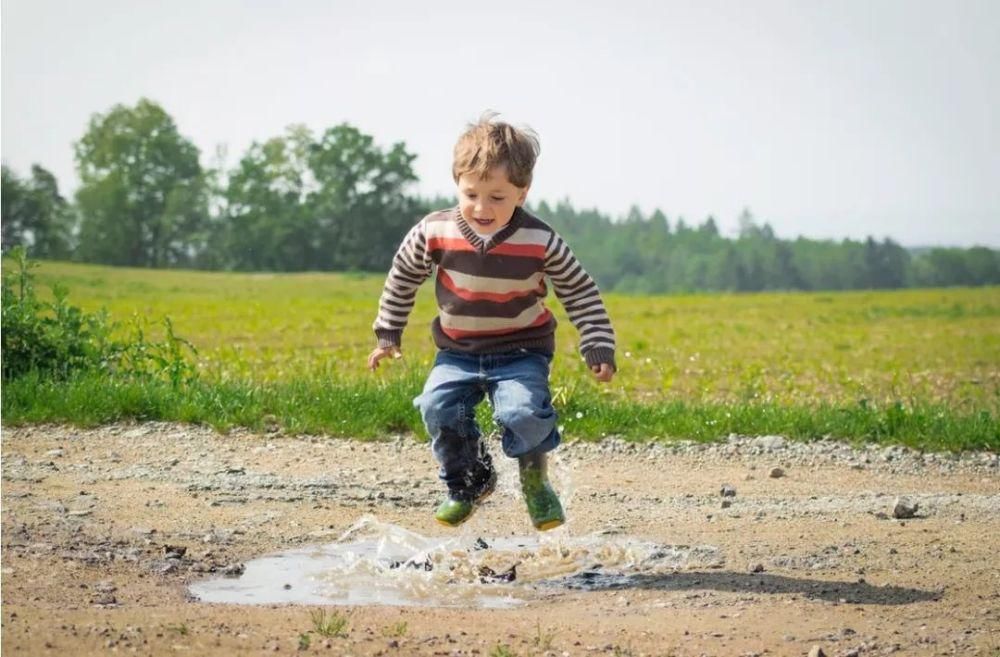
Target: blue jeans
{"points": [[518, 387]]}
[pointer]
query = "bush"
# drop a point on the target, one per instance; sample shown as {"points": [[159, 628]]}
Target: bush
{"points": [[55, 340]]}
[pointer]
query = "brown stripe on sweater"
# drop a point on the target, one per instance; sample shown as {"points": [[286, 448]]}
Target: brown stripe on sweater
{"points": [[488, 265]]}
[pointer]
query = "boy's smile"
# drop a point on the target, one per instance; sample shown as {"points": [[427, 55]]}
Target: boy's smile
{"points": [[488, 204]]}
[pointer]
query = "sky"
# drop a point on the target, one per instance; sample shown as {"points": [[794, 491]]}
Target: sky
{"points": [[826, 119]]}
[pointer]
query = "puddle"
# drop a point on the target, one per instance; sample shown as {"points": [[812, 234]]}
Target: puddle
{"points": [[376, 563]]}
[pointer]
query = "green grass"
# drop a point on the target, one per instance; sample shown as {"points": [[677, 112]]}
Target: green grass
{"points": [[396, 631], [330, 625], [917, 367], [373, 410], [502, 650]]}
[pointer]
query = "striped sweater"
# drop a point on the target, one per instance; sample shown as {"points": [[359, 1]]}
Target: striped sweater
{"points": [[490, 295]]}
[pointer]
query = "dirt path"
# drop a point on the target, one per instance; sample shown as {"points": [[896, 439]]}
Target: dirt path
{"points": [[104, 529]]}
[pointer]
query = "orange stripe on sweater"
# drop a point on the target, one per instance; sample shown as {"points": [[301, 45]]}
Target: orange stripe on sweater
{"points": [[449, 244], [470, 295]]}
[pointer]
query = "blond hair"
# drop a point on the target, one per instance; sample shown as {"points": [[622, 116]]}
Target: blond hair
{"points": [[488, 144]]}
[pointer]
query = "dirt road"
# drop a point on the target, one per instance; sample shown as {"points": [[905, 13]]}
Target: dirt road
{"points": [[105, 529]]}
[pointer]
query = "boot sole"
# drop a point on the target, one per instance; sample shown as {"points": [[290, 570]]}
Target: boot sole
{"points": [[549, 524], [475, 505]]}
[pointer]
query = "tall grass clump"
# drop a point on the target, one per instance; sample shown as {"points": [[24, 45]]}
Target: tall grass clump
{"points": [[56, 341]]}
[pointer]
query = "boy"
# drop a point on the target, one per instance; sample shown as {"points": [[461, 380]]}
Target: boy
{"points": [[495, 335]]}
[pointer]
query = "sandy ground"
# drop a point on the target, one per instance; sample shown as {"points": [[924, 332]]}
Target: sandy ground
{"points": [[103, 531]]}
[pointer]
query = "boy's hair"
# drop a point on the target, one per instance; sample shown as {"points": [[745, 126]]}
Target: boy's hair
{"points": [[488, 144]]}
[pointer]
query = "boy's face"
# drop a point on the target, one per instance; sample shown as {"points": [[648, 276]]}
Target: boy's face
{"points": [[488, 204]]}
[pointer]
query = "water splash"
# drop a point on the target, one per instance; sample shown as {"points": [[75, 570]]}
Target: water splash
{"points": [[377, 563]]}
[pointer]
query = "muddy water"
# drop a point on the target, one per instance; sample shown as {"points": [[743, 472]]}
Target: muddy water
{"points": [[377, 563]]}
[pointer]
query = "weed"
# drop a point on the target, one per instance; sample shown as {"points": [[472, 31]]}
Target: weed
{"points": [[396, 630], [332, 624], [543, 640], [54, 340], [502, 650], [624, 651]]}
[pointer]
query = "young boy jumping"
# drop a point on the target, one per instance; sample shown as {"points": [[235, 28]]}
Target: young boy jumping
{"points": [[494, 333]]}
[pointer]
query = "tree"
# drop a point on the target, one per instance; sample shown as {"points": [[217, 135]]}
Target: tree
{"points": [[709, 228], [266, 225], [885, 264], [360, 201], [142, 198], [338, 202], [746, 223], [634, 216], [36, 215], [659, 222], [983, 265]]}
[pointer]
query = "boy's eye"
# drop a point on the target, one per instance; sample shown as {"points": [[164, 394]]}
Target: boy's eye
{"points": [[494, 198]]}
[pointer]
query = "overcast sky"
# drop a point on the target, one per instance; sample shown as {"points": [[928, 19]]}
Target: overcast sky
{"points": [[827, 119]]}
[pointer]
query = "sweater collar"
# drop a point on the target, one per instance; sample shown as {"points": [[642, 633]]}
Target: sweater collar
{"points": [[469, 233]]}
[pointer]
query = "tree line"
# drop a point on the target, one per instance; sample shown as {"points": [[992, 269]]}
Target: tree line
{"points": [[337, 201]]}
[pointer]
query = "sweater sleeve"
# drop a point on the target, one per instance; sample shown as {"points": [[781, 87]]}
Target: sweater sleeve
{"points": [[579, 295], [411, 266]]}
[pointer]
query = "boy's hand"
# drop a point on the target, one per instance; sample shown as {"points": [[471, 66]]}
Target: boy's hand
{"points": [[603, 372], [380, 353]]}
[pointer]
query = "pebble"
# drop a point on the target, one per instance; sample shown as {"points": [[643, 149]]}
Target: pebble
{"points": [[727, 491], [776, 473], [104, 599], [816, 651], [233, 570], [902, 509]]}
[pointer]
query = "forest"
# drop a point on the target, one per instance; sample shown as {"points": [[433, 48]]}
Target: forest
{"points": [[338, 201]]}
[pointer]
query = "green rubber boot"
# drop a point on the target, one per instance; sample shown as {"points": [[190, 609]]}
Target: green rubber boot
{"points": [[543, 504], [454, 511]]}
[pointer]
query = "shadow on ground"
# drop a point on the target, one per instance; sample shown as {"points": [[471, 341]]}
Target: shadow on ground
{"points": [[852, 592]]}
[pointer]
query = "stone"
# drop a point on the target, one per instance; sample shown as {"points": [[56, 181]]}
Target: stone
{"points": [[233, 570], [902, 509], [816, 651], [776, 473], [104, 599], [727, 491], [770, 443], [165, 567], [105, 587]]}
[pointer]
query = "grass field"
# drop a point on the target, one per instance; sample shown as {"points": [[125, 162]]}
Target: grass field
{"points": [[918, 354]]}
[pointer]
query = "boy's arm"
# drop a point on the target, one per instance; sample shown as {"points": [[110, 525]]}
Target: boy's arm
{"points": [[411, 266], [579, 295]]}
